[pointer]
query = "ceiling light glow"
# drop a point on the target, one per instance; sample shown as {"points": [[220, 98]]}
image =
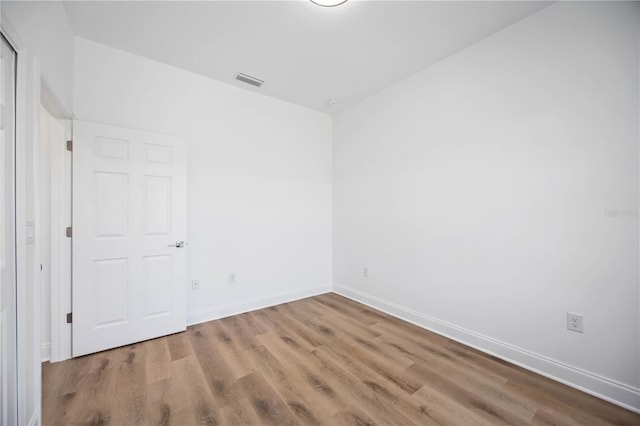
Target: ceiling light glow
{"points": [[328, 3]]}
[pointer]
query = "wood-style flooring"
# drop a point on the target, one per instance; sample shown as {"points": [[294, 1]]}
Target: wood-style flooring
{"points": [[322, 360]]}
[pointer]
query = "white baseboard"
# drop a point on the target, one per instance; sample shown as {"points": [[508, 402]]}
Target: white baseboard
{"points": [[617, 393], [253, 304], [45, 352]]}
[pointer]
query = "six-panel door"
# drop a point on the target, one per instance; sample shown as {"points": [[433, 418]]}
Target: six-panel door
{"points": [[129, 210]]}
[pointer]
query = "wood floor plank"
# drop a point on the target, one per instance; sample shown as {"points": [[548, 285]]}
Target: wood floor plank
{"points": [[285, 384], [65, 403], [447, 411], [157, 360], [350, 418], [95, 403], [422, 345], [476, 402], [240, 412], [229, 347], [347, 353], [546, 417], [161, 402], [369, 396], [193, 398], [241, 331], [346, 307], [254, 327], [216, 371], [289, 327], [53, 378], [366, 343], [130, 408], [336, 320], [265, 401], [83, 396], [325, 360], [179, 346], [384, 388], [489, 385], [327, 393], [561, 410]]}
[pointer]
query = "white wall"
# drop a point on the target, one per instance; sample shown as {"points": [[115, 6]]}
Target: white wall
{"points": [[44, 29], [27, 248], [44, 41], [259, 175], [497, 190]]}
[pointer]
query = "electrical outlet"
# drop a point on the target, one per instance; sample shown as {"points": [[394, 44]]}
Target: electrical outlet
{"points": [[365, 272], [232, 278], [575, 322], [195, 285]]}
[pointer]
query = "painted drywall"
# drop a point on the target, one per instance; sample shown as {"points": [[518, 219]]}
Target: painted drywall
{"points": [[28, 302], [44, 30], [497, 190], [27, 239], [259, 176]]}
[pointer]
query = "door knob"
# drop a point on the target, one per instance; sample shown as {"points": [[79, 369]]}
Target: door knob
{"points": [[178, 244]]}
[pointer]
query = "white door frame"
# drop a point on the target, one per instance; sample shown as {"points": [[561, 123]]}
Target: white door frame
{"points": [[60, 269]]}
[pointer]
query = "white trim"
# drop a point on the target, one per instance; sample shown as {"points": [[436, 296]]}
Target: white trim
{"points": [[35, 418], [45, 352], [247, 305], [610, 390], [21, 249], [60, 279], [35, 308]]}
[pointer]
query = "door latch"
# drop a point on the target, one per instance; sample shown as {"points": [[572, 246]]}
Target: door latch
{"points": [[178, 244]]}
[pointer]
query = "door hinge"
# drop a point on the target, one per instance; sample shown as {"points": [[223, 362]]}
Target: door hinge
{"points": [[69, 145], [69, 317], [69, 232]]}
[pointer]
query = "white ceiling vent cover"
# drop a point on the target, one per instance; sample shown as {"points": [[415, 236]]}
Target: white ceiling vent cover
{"points": [[248, 79]]}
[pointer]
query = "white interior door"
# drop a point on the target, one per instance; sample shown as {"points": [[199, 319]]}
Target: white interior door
{"points": [[129, 211]]}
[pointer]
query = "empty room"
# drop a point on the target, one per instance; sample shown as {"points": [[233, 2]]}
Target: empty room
{"points": [[320, 212]]}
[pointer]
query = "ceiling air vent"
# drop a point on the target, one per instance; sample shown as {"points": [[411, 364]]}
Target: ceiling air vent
{"points": [[248, 79]]}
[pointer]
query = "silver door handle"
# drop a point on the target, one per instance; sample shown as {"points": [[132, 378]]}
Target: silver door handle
{"points": [[178, 244]]}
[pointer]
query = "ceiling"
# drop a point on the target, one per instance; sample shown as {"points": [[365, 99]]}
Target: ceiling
{"points": [[306, 54]]}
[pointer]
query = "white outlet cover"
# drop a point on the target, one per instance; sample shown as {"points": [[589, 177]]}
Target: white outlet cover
{"points": [[575, 322]]}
